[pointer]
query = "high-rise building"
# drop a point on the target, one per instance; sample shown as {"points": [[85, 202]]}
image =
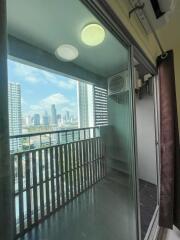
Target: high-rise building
{"points": [[67, 116], [53, 114], [59, 117], [85, 105], [59, 120], [90, 96], [36, 119], [45, 119], [15, 118], [28, 120]]}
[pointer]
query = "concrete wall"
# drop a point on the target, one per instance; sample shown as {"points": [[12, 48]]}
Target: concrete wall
{"points": [[146, 139]]}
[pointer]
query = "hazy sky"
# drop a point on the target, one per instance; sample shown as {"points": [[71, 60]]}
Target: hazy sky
{"points": [[40, 89]]}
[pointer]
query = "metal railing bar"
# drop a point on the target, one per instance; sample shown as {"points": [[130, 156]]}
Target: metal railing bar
{"points": [[20, 187], [60, 173], [47, 181], [47, 147], [49, 132], [40, 183], [52, 178], [35, 200], [28, 193]]}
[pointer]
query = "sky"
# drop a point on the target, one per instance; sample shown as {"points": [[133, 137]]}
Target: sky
{"points": [[40, 89]]}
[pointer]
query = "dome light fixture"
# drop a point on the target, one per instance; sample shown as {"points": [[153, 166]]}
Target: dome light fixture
{"points": [[66, 52], [93, 34]]}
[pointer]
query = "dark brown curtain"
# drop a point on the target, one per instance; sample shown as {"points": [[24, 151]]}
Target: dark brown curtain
{"points": [[169, 143]]}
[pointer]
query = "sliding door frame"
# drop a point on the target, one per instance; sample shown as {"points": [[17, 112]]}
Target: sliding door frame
{"points": [[153, 228], [103, 11], [6, 171], [109, 19]]}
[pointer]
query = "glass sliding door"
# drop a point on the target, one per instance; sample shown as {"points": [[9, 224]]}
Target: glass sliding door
{"points": [[119, 138], [147, 148], [74, 152]]}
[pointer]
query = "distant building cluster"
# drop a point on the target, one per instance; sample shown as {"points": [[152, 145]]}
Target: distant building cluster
{"points": [[52, 120]]}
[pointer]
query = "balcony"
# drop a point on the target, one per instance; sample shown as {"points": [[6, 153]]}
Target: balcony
{"points": [[51, 169]]}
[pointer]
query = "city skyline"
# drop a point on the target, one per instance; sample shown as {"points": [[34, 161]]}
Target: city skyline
{"points": [[70, 104], [48, 119], [41, 89]]}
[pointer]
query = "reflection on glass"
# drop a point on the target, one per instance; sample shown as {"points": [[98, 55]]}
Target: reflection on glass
{"points": [[146, 147], [80, 172]]}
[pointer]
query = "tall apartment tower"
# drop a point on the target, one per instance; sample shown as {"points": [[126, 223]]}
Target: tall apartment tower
{"points": [[15, 118], [53, 114], [36, 119], [45, 119], [85, 105]]}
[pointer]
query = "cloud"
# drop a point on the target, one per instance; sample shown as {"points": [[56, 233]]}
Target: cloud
{"points": [[35, 75], [68, 84], [31, 79], [62, 104], [23, 102], [58, 99], [36, 109], [22, 72], [27, 73], [59, 80]]}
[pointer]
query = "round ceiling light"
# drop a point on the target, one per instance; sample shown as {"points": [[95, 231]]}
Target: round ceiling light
{"points": [[92, 34], [66, 52]]}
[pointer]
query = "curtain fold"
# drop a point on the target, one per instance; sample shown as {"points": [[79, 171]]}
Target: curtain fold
{"points": [[169, 144]]}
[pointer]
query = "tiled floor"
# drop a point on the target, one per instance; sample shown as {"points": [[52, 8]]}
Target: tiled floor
{"points": [[104, 212], [148, 201]]}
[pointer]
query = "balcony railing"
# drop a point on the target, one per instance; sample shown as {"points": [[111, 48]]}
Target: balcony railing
{"points": [[53, 171]]}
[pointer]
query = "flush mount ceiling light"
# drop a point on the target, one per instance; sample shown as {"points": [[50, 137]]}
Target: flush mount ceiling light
{"points": [[66, 52], [92, 34]]}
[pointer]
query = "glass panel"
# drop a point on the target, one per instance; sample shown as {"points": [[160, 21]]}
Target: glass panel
{"points": [[82, 170], [146, 147], [119, 141]]}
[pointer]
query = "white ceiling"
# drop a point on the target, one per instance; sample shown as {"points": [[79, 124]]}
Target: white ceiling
{"points": [[47, 24]]}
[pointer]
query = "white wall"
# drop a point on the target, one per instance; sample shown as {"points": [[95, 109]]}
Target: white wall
{"points": [[146, 139]]}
